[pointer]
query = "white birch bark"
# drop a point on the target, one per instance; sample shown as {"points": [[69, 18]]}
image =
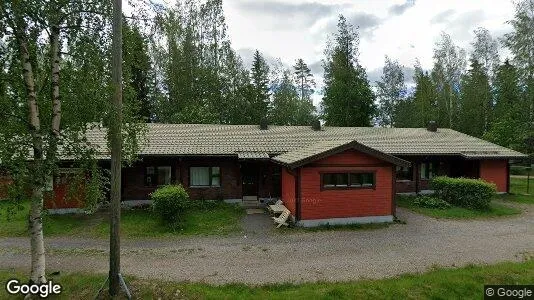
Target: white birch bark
{"points": [[38, 263]]}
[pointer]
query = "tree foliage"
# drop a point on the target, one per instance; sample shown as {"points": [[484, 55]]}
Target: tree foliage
{"points": [[348, 99], [449, 64], [391, 89], [476, 102]]}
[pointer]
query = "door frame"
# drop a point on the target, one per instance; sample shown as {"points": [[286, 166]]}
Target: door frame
{"points": [[254, 172]]}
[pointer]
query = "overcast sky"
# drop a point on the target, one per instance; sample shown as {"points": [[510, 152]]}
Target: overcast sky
{"points": [[403, 30]]}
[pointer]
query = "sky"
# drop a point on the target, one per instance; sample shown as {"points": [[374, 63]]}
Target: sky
{"points": [[403, 30]]}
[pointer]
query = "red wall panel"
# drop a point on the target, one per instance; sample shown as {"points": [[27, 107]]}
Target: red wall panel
{"points": [[324, 204], [288, 191], [495, 171]]}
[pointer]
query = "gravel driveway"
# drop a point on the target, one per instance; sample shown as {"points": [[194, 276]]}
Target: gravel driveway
{"points": [[269, 256]]}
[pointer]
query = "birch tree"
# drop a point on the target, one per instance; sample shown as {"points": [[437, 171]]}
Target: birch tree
{"points": [[37, 34], [390, 90]]}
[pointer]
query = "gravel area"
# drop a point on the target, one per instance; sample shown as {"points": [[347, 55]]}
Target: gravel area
{"points": [[269, 256]]}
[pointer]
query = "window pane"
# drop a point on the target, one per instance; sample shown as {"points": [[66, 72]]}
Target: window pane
{"points": [[355, 179], [164, 175], [342, 179], [199, 176], [329, 180], [423, 171], [368, 179], [215, 176], [404, 173]]}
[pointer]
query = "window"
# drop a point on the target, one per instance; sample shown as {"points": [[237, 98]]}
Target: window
{"points": [[428, 170], [348, 180], [204, 176], [404, 173], [160, 175]]}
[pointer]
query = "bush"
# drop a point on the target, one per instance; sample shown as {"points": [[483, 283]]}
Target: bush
{"points": [[431, 202], [170, 202], [464, 192]]}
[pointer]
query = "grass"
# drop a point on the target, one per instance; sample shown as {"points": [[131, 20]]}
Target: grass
{"points": [[454, 212], [518, 190], [214, 219], [439, 283]]}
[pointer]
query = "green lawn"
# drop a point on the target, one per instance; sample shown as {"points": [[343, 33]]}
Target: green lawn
{"points": [[518, 190], [440, 283], [495, 210], [217, 218]]}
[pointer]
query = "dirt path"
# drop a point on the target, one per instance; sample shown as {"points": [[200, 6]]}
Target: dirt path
{"points": [[269, 256]]}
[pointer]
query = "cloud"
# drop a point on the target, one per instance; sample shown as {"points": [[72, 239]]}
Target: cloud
{"points": [[284, 13], [442, 16], [317, 68], [460, 26], [247, 55], [364, 22], [374, 75], [399, 9]]}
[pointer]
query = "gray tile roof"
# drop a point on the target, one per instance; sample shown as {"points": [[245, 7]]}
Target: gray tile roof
{"points": [[229, 140], [302, 156], [252, 155]]}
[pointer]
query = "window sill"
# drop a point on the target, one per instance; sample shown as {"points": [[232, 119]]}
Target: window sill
{"points": [[344, 188], [204, 186]]}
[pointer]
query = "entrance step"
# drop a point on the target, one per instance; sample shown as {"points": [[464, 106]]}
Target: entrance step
{"points": [[251, 204], [251, 201]]}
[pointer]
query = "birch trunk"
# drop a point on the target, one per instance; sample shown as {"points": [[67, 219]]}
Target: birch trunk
{"points": [[56, 103], [38, 263]]}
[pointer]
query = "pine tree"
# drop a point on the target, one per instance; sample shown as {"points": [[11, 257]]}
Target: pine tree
{"points": [[305, 86], [475, 101], [348, 99], [304, 80], [390, 91], [260, 86], [204, 80]]}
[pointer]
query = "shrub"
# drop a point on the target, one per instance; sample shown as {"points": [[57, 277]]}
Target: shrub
{"points": [[464, 192], [170, 202], [431, 202]]}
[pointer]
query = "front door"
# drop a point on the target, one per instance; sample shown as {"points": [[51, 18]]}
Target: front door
{"points": [[249, 174]]}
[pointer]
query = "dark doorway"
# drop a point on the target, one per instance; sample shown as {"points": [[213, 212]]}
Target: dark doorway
{"points": [[249, 175]]}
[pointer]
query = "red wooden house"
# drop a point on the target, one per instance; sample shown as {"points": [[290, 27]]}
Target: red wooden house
{"points": [[322, 174]]}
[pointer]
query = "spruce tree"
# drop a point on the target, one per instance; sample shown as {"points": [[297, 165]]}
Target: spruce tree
{"points": [[260, 88], [348, 99], [475, 101]]}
